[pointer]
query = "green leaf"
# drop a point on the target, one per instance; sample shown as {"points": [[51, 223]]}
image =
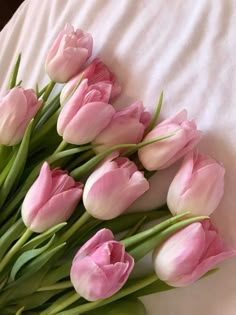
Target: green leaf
{"points": [[10, 236], [24, 258], [127, 306], [8, 167], [17, 166], [155, 287], [5, 152], [48, 111], [34, 242], [36, 299], [30, 281], [13, 77]]}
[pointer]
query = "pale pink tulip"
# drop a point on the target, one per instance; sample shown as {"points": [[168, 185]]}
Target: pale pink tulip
{"points": [[17, 107], [161, 154], [113, 187], [95, 72], [198, 186], [67, 55], [86, 113], [51, 199], [101, 267], [190, 253], [127, 126]]}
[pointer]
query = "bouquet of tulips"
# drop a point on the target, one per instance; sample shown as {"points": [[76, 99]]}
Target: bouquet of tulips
{"points": [[70, 167]]}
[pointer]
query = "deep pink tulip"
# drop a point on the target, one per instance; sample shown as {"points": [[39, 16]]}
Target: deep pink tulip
{"points": [[67, 55], [86, 113], [198, 186], [113, 187], [17, 107], [95, 72], [190, 253], [101, 267], [127, 126], [162, 154], [51, 199]]}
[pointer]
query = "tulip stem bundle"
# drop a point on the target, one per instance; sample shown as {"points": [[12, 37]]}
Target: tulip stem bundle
{"points": [[71, 165]]}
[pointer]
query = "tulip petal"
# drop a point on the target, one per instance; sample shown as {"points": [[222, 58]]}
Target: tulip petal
{"points": [[56, 210], [102, 236], [97, 114]]}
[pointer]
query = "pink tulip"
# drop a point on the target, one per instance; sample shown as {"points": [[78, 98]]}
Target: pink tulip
{"points": [[96, 72], [197, 187], [101, 267], [163, 153], [50, 200], [126, 126], [113, 187], [86, 113], [69, 52], [17, 107], [190, 253]]}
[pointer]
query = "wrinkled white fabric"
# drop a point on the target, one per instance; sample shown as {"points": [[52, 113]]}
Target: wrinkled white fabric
{"points": [[186, 48]]}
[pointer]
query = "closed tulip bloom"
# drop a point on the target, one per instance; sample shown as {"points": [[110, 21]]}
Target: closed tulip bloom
{"points": [[101, 267], [161, 154], [86, 113], [190, 253], [113, 187], [198, 186], [67, 55], [51, 199], [95, 72], [127, 126], [17, 107]]}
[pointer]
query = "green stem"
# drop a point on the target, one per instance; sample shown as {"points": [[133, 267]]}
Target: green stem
{"points": [[61, 303], [61, 147], [86, 167], [135, 228], [57, 286], [139, 284], [22, 240], [156, 114], [80, 159], [46, 95], [7, 168], [47, 111], [48, 91], [75, 227], [40, 93]]}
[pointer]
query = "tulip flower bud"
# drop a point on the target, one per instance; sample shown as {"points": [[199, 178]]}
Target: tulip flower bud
{"points": [[86, 113], [101, 267], [17, 107], [126, 126], [113, 187], [162, 154], [190, 253], [67, 55], [197, 187], [50, 200], [95, 72]]}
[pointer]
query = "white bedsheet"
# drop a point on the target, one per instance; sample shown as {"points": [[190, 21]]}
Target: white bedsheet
{"points": [[186, 48]]}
